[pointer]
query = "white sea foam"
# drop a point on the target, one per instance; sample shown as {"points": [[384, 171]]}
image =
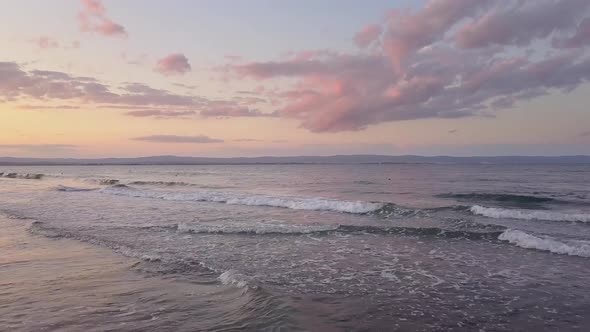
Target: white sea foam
{"points": [[525, 240], [231, 277], [296, 203], [102, 182], [73, 189], [499, 213], [254, 228]]}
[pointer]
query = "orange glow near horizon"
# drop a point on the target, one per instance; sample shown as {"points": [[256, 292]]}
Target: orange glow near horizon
{"points": [[85, 83]]}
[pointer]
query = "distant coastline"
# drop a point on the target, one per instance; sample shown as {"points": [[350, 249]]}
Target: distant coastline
{"points": [[297, 160]]}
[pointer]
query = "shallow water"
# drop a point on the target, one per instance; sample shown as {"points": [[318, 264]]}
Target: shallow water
{"points": [[323, 247]]}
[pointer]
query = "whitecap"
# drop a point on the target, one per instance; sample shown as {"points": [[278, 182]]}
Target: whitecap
{"points": [[499, 213], [295, 203], [546, 243], [73, 189], [231, 277]]}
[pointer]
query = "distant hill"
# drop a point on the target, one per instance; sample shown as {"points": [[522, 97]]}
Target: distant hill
{"points": [[338, 159]]}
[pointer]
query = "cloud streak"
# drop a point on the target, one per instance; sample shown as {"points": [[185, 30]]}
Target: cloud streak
{"points": [[48, 107], [38, 148], [164, 114], [229, 110], [18, 85], [200, 139]]}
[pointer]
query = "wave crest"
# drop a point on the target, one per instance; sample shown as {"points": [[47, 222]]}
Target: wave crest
{"points": [[232, 277], [498, 213], [295, 203], [529, 241], [73, 189]]}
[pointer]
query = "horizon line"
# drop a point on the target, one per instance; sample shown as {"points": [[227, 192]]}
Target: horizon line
{"points": [[312, 156], [301, 159]]}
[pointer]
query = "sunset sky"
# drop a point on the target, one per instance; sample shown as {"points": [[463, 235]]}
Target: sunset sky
{"points": [[131, 78]]}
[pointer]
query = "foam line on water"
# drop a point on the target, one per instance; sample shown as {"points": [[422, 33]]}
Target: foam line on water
{"points": [[546, 243], [295, 203], [499, 213], [254, 228]]}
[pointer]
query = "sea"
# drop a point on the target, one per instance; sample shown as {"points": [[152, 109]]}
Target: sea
{"points": [[371, 247]]}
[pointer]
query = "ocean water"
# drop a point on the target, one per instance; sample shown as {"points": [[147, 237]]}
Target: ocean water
{"points": [[408, 247]]}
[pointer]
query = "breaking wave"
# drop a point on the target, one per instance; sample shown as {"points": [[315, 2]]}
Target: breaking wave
{"points": [[140, 183], [380, 209], [498, 213], [295, 203], [103, 182], [26, 176], [233, 278], [528, 241], [73, 189]]}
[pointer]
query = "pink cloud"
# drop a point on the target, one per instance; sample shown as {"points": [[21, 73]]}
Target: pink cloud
{"points": [[449, 59], [110, 28], [173, 64], [325, 65], [368, 35], [94, 7], [407, 32], [93, 18], [46, 42]]}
